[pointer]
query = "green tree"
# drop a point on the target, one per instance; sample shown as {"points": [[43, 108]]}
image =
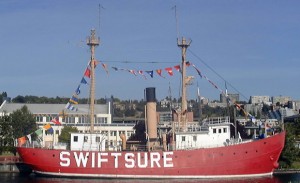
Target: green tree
{"points": [[22, 122], [65, 135], [290, 153], [6, 138]]}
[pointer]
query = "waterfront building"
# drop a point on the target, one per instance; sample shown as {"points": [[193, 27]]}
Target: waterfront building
{"points": [[45, 113], [234, 97], [260, 100], [283, 100]]}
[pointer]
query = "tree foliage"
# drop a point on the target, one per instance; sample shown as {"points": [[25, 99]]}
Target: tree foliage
{"points": [[65, 135], [290, 152], [6, 140], [22, 122]]}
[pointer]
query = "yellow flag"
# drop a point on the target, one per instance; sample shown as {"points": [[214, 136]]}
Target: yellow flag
{"points": [[47, 126]]}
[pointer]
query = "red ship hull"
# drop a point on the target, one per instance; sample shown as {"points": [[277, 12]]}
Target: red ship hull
{"points": [[257, 158]]}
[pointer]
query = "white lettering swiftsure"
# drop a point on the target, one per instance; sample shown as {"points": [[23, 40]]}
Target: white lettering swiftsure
{"points": [[102, 159], [81, 159], [168, 163], [131, 160], [93, 160], [139, 160], [154, 158], [116, 155], [64, 161]]}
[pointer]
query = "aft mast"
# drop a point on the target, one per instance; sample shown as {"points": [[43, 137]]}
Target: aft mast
{"points": [[92, 42], [183, 44]]}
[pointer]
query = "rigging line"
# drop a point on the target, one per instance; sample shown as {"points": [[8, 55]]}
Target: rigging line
{"points": [[201, 60], [149, 62]]}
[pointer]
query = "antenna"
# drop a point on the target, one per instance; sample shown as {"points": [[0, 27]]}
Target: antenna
{"points": [[177, 30]]}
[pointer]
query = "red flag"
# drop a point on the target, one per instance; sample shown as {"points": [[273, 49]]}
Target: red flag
{"points": [[105, 67], [96, 63], [87, 73], [56, 121], [169, 70], [177, 67]]}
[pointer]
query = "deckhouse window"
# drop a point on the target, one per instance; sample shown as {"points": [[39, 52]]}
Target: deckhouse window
{"points": [[86, 138], [224, 130], [194, 138], [220, 130], [183, 138], [75, 138], [214, 130], [97, 139]]}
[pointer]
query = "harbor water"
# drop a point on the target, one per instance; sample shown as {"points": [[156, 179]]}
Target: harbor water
{"points": [[16, 177]]}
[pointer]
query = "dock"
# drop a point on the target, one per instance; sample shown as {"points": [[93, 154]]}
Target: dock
{"points": [[8, 164]]}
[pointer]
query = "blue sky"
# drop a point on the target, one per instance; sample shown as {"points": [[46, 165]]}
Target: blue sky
{"points": [[253, 44]]}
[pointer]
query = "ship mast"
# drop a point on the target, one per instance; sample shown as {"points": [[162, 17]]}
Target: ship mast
{"points": [[92, 42], [183, 44]]}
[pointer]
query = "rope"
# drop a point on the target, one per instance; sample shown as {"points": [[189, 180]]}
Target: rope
{"points": [[201, 60]]}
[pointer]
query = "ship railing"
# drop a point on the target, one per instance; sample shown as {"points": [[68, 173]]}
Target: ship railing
{"points": [[218, 120], [231, 142], [33, 144]]}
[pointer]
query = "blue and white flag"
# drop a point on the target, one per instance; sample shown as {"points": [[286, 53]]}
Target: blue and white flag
{"points": [[71, 107]]}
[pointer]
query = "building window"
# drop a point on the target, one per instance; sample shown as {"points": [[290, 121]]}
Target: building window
{"points": [[214, 130], [101, 120], [104, 132], [39, 118], [224, 130], [121, 132], [129, 134], [113, 133], [48, 118], [70, 119], [82, 119], [75, 138]]}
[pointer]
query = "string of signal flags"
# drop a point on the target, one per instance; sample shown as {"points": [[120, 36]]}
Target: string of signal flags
{"points": [[168, 71]]}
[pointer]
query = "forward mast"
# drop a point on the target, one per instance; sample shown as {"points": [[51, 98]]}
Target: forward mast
{"points": [[92, 42]]}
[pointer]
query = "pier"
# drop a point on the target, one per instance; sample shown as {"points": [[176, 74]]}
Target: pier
{"points": [[9, 164]]}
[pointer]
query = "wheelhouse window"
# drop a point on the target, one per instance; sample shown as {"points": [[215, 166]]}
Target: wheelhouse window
{"points": [[214, 130], [75, 138]]}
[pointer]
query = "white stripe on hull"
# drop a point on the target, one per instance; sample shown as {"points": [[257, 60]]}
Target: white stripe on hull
{"points": [[152, 176]]}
